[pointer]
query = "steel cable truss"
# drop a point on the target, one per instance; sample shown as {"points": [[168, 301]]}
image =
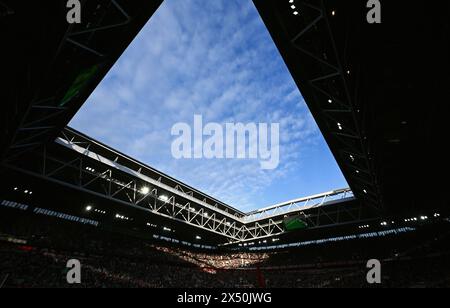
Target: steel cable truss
{"points": [[314, 46], [87, 171], [333, 86], [84, 53]]}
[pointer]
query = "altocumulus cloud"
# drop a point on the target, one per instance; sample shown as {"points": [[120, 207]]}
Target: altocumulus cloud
{"points": [[213, 58]]}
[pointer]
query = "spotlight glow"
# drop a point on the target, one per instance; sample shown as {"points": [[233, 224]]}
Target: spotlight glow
{"points": [[145, 190]]}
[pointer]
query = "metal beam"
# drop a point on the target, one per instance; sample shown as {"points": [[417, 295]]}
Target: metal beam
{"points": [[122, 185]]}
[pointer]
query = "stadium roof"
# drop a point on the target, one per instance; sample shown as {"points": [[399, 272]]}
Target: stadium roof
{"points": [[111, 182], [50, 67], [377, 91], [386, 123]]}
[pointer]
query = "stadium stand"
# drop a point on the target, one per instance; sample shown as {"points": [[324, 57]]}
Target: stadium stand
{"points": [[34, 254]]}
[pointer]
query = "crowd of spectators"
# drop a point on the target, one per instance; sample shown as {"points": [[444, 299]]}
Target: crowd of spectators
{"points": [[26, 267], [220, 260], [37, 258]]}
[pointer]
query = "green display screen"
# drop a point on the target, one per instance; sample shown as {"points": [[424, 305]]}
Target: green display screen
{"points": [[294, 223], [78, 84]]}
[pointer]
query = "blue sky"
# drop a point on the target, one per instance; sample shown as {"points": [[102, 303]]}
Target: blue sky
{"points": [[216, 59]]}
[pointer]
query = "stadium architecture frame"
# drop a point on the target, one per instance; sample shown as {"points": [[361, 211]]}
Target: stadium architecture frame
{"points": [[81, 163], [334, 56]]}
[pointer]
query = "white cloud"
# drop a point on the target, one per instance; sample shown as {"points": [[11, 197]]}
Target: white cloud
{"points": [[212, 58]]}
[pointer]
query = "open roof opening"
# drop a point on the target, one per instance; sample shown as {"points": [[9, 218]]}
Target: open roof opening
{"points": [[217, 60]]}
